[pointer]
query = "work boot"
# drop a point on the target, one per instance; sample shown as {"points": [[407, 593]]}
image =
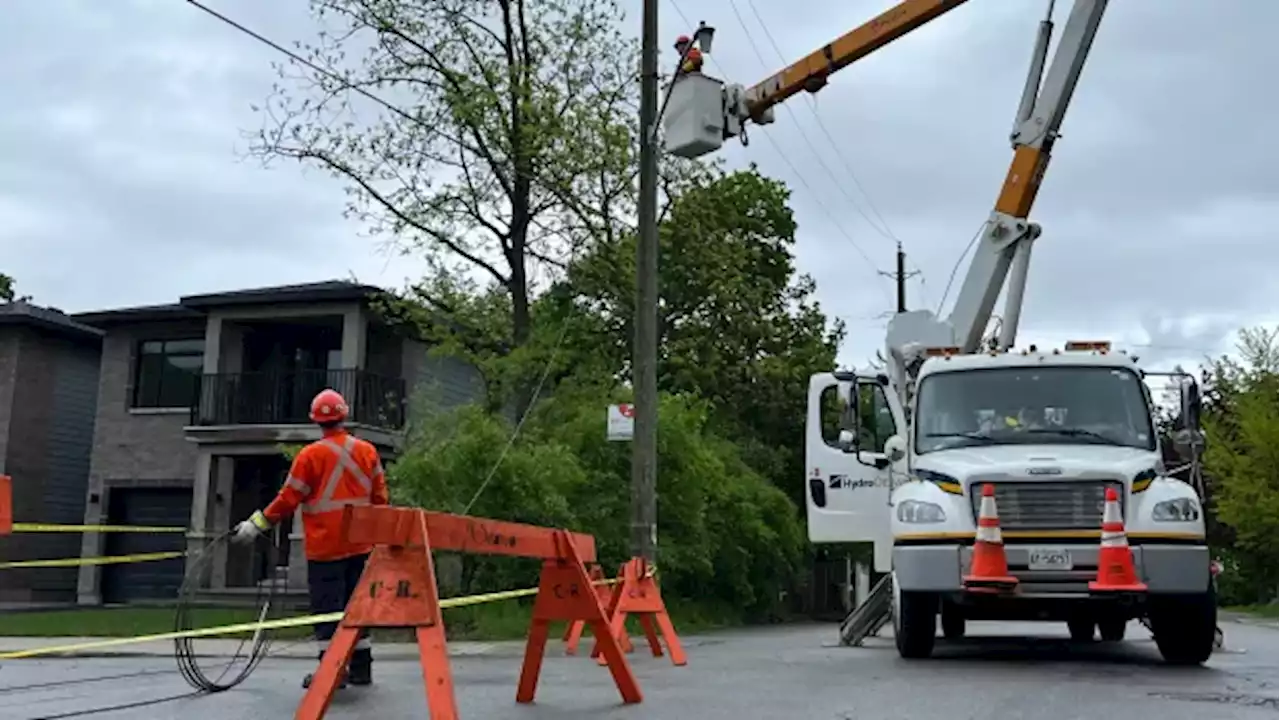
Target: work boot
{"points": [[360, 671], [310, 677]]}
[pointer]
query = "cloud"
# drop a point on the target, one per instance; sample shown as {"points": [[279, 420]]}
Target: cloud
{"points": [[123, 178]]}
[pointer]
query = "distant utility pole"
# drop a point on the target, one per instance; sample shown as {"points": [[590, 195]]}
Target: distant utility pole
{"points": [[900, 277], [644, 451]]}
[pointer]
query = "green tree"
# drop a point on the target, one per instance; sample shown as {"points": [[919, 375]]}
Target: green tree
{"points": [[738, 326], [1241, 460], [512, 143], [7, 292], [727, 536]]}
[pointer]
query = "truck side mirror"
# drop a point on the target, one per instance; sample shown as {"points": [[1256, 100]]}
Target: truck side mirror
{"points": [[895, 448], [849, 418], [1189, 397]]}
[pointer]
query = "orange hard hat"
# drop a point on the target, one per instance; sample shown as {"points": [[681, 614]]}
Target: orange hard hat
{"points": [[328, 406]]}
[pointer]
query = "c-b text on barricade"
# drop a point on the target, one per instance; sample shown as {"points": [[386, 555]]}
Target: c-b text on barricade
{"points": [[398, 589]]}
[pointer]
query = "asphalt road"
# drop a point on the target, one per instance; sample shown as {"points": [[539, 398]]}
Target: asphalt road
{"points": [[1008, 671]]}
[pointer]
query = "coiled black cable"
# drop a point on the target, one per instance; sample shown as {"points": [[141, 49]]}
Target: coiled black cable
{"points": [[183, 648]]}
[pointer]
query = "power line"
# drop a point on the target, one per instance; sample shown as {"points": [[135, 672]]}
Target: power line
{"points": [[805, 136], [840, 155], [346, 85], [799, 176], [812, 104]]}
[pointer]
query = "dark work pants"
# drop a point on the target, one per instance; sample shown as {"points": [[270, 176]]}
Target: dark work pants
{"points": [[330, 584]]}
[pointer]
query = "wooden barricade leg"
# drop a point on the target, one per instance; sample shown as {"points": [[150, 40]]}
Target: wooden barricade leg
{"points": [[638, 594], [573, 631], [397, 589], [565, 592]]}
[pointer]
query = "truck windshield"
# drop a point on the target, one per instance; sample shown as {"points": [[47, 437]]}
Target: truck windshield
{"points": [[1064, 405]]}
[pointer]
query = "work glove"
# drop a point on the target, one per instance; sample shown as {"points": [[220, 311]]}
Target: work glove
{"points": [[251, 528]]}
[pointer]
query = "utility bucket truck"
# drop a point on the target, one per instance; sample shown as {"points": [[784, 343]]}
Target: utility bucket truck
{"points": [[1052, 432]]}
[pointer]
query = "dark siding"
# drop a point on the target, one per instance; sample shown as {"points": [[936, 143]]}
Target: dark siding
{"points": [[8, 373], [51, 414], [70, 444]]}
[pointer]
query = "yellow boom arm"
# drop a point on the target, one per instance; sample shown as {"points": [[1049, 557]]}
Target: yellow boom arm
{"points": [[810, 73]]}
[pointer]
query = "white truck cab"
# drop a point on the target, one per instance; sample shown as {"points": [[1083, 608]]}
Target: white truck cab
{"points": [[1051, 431]]}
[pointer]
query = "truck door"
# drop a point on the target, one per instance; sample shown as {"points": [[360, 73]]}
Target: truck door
{"points": [[847, 492]]}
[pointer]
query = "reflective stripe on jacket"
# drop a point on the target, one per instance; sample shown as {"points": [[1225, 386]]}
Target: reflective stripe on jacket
{"points": [[327, 475]]}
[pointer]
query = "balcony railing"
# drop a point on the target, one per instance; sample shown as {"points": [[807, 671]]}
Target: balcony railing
{"points": [[283, 398]]}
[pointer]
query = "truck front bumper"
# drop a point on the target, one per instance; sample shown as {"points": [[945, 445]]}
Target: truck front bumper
{"points": [[1165, 568]]}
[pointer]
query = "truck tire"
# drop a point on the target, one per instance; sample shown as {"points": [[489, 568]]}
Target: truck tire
{"points": [[952, 622], [915, 624], [1184, 626], [1112, 629], [1081, 629]]}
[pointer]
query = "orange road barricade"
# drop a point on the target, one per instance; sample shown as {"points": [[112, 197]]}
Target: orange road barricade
{"points": [[398, 589], [636, 593], [573, 631], [6, 505]]}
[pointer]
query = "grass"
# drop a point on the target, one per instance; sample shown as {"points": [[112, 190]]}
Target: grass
{"points": [[1269, 610], [497, 621]]}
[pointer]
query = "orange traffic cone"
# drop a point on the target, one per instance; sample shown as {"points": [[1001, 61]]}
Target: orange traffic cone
{"points": [[989, 571], [1116, 572]]}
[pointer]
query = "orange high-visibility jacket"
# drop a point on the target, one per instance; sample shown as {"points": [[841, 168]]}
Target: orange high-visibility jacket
{"points": [[338, 470]]}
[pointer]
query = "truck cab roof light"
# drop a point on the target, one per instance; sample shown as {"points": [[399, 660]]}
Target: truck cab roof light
{"points": [[1101, 346]]}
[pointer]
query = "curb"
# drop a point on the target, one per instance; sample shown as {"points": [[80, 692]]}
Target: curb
{"points": [[1241, 619]]}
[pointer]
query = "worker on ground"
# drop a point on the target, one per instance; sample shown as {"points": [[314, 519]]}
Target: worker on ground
{"points": [[329, 474], [693, 60]]}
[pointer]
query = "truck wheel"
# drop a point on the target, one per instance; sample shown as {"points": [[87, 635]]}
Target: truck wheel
{"points": [[1081, 629], [915, 624], [952, 622], [1184, 626], [1112, 630]]}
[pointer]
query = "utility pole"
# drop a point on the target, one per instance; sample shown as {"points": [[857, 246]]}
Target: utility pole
{"points": [[900, 277], [644, 449]]}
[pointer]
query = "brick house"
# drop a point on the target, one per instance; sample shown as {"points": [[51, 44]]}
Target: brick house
{"points": [[194, 400], [48, 393]]}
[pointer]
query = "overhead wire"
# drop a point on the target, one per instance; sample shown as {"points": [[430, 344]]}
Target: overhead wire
{"points": [[346, 85], [801, 178], [882, 227], [812, 104], [956, 268]]}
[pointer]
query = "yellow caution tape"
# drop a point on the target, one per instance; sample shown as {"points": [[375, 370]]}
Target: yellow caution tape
{"points": [[101, 560], [52, 528], [256, 626]]}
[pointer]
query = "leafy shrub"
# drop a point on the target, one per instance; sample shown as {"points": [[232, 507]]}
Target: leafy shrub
{"points": [[726, 535]]}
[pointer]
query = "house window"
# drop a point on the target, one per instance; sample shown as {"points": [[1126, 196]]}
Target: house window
{"points": [[168, 373]]}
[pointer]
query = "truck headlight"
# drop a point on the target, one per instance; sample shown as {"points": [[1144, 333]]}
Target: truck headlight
{"points": [[917, 511], [1178, 510]]}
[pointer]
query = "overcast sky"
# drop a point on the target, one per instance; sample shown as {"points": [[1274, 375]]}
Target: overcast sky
{"points": [[122, 178]]}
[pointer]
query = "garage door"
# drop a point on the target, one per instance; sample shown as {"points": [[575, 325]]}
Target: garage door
{"points": [[153, 580]]}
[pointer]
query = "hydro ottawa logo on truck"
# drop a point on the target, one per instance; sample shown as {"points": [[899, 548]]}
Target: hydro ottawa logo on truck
{"points": [[839, 481]]}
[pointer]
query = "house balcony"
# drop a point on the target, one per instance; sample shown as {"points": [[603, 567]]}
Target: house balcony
{"points": [[273, 407]]}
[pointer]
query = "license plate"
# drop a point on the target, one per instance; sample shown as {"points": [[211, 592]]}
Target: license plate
{"points": [[1048, 559]]}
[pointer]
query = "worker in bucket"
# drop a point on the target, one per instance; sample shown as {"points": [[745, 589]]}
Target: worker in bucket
{"points": [[329, 474], [693, 60]]}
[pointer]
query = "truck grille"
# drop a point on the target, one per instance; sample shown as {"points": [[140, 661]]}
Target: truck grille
{"points": [[1048, 505]]}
